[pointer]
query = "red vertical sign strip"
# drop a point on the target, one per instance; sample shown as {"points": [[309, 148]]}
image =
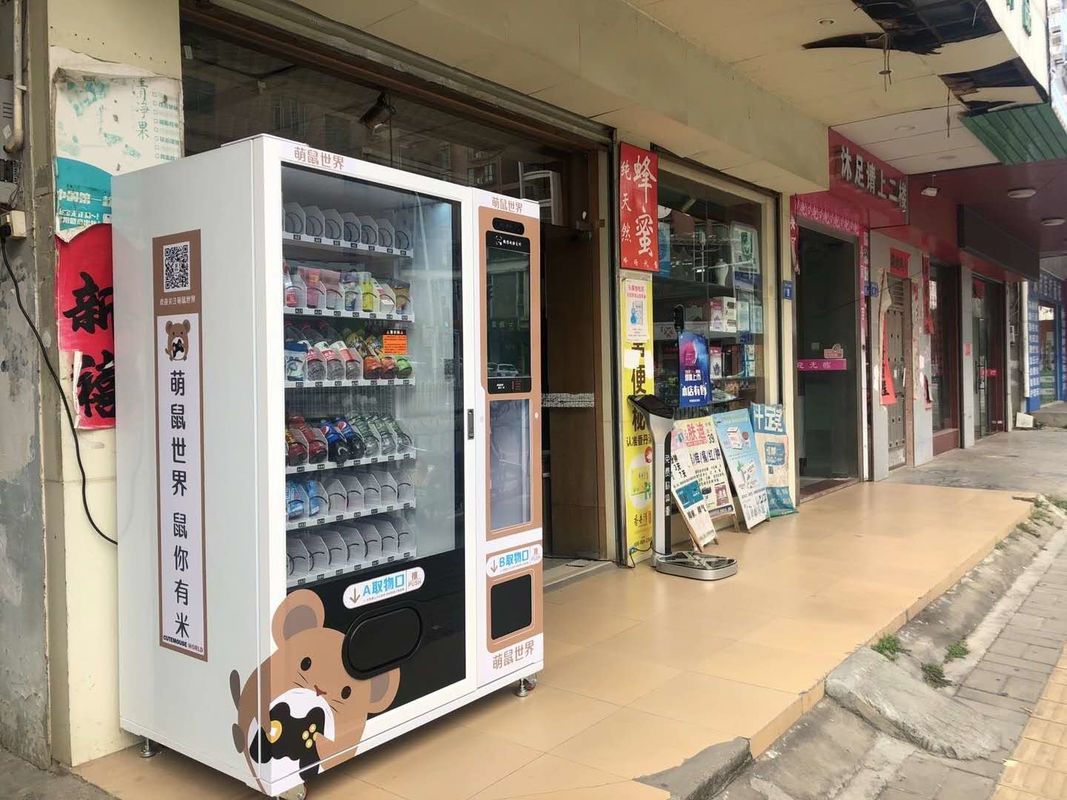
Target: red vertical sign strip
{"points": [[85, 322], [638, 229]]}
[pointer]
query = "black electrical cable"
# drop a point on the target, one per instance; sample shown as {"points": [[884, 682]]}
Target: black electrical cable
{"points": [[5, 231]]}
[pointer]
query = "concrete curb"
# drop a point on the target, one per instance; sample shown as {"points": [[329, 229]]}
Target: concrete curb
{"points": [[704, 775]]}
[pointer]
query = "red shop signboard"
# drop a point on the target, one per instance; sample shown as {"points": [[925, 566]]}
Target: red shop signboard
{"points": [[869, 182], [638, 232]]}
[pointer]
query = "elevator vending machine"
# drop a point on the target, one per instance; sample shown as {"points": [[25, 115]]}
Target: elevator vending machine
{"points": [[328, 381]]}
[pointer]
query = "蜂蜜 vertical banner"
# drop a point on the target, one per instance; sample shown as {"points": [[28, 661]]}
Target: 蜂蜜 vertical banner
{"points": [[638, 204]]}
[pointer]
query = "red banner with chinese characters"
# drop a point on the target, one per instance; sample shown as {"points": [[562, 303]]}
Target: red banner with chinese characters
{"points": [[85, 321], [868, 182], [638, 195], [899, 263]]}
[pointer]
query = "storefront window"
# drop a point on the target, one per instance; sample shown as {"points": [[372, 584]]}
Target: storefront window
{"points": [[232, 91], [710, 281]]}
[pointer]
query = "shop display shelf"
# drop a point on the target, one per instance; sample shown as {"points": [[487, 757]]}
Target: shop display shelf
{"points": [[343, 314], [347, 569], [296, 243], [373, 511], [352, 462], [350, 384]]}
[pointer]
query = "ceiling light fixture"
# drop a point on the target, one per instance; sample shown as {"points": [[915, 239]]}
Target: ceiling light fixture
{"points": [[905, 128], [378, 114], [1022, 193], [930, 190], [827, 21], [1053, 222], [948, 157]]}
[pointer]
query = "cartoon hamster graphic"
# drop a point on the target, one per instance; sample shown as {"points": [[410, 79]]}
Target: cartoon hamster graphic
{"points": [[312, 708], [177, 348]]}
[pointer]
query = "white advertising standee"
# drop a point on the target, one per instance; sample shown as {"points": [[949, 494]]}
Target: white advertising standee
{"points": [[328, 455]]}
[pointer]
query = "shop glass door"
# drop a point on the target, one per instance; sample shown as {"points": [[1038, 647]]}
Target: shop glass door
{"points": [[375, 422], [944, 357], [988, 347], [1047, 325], [827, 310]]}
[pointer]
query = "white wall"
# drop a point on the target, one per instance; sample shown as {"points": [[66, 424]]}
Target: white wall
{"points": [[82, 597]]}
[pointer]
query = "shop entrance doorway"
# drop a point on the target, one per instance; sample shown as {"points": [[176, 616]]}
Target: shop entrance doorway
{"points": [[988, 342], [1048, 325], [828, 405], [899, 343], [944, 357]]}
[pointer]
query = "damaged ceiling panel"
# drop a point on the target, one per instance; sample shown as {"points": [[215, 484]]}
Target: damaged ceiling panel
{"points": [[930, 28]]}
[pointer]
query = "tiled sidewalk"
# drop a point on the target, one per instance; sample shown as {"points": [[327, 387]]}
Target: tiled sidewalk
{"points": [[645, 670], [1038, 767], [1020, 685]]}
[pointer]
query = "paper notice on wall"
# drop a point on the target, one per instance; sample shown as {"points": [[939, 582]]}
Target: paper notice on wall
{"points": [[110, 118]]}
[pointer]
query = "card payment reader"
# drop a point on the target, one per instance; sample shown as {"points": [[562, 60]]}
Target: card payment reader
{"points": [[689, 563]]}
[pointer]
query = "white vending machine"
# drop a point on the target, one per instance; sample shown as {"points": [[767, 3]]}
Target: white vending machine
{"points": [[328, 378]]}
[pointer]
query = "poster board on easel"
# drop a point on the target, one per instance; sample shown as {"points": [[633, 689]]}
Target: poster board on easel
{"points": [[738, 445], [699, 481]]}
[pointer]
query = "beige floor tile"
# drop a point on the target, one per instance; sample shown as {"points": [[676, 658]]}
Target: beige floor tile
{"points": [[1041, 754], [541, 720], [1056, 692], [1007, 793], [718, 622], [1058, 676], [445, 762], [656, 642], [813, 696], [632, 743], [336, 785], [1054, 712], [606, 675], [725, 705], [1037, 780], [1043, 730], [627, 790], [546, 775], [583, 625], [168, 776], [771, 667], [811, 635], [763, 739], [556, 650]]}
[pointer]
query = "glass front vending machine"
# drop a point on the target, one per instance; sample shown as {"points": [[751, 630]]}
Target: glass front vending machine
{"points": [[328, 378]]}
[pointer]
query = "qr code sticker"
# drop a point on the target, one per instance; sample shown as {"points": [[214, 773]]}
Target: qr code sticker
{"points": [[176, 275]]}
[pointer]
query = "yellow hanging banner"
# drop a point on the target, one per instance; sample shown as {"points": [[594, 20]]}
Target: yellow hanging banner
{"points": [[635, 349]]}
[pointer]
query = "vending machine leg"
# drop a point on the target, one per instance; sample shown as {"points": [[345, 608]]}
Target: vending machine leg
{"points": [[525, 686], [149, 748], [296, 793]]}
